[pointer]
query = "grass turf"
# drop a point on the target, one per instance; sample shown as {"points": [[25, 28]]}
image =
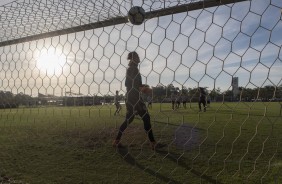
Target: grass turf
{"points": [[230, 143]]}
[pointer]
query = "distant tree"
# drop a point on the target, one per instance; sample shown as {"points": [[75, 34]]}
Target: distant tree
{"points": [[278, 93], [214, 94], [159, 92], [228, 96], [23, 99], [184, 90], [170, 89], [267, 92]]}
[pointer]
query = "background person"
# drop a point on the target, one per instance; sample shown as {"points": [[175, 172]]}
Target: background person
{"points": [[117, 103], [150, 99], [202, 99], [184, 100]]}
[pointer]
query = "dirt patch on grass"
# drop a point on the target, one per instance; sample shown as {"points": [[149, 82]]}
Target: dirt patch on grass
{"points": [[187, 137], [86, 138]]}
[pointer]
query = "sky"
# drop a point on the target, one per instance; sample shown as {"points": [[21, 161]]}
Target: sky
{"points": [[199, 48], [3, 2]]}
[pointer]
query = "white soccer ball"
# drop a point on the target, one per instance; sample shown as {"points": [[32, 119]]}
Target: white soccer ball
{"points": [[136, 15]]}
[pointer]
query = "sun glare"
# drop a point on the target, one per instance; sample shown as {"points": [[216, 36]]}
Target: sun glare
{"points": [[51, 62]]}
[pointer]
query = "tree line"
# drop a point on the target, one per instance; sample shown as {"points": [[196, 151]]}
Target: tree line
{"points": [[161, 94], [266, 93]]}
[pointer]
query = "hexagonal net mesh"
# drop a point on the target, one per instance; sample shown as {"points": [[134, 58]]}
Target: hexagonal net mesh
{"points": [[79, 84]]}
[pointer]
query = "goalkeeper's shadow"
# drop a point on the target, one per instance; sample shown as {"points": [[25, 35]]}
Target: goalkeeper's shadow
{"points": [[173, 157], [131, 160]]}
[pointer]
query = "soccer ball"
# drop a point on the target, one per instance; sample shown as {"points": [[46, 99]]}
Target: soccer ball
{"points": [[146, 89], [136, 15]]}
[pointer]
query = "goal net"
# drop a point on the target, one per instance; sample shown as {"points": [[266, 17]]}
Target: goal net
{"points": [[214, 67]]}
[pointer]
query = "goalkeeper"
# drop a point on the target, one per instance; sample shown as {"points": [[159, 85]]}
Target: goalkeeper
{"points": [[134, 103]]}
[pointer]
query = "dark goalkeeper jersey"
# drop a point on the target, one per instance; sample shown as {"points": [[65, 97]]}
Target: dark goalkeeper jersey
{"points": [[132, 83]]}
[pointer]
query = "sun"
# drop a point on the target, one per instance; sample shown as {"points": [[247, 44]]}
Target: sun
{"points": [[50, 61]]}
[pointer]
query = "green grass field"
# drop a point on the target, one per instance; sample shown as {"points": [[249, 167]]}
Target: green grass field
{"points": [[230, 143]]}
